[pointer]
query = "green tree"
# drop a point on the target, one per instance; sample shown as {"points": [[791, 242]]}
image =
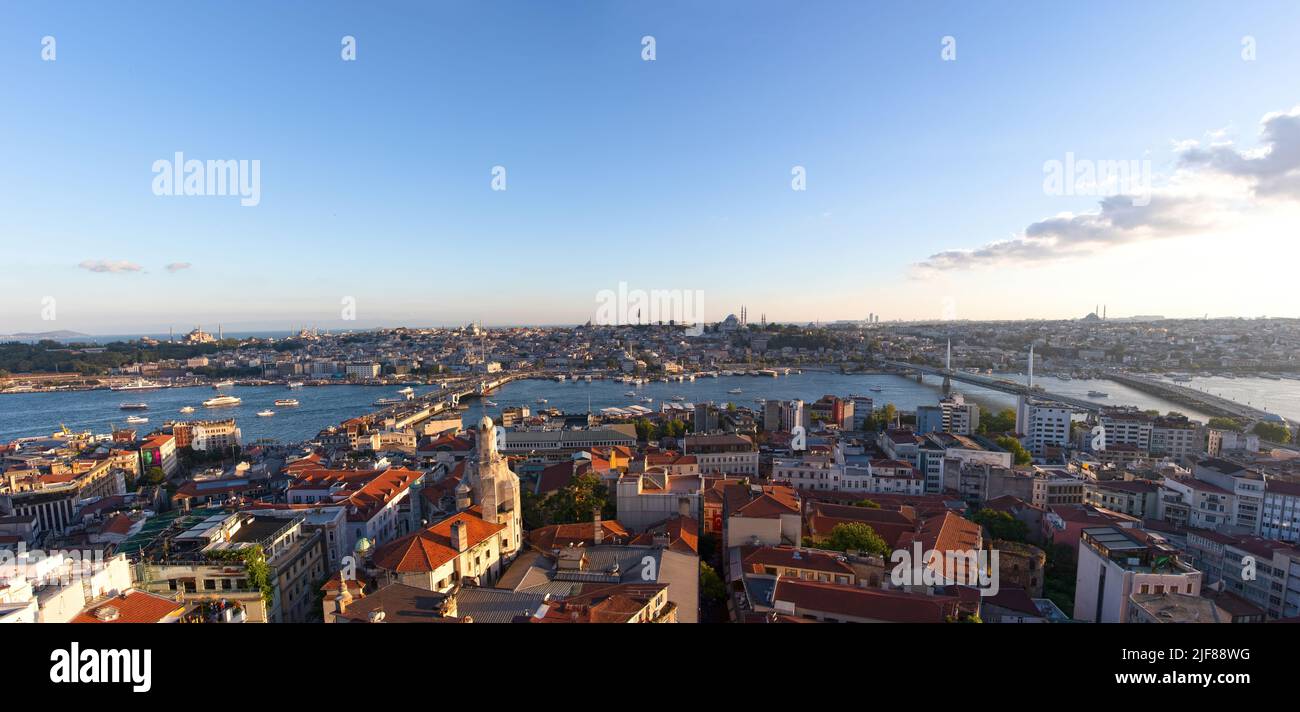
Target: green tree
{"points": [[712, 588], [154, 476], [1273, 432], [869, 504], [1001, 525], [1221, 423], [1004, 421], [857, 536], [578, 500], [1019, 455]]}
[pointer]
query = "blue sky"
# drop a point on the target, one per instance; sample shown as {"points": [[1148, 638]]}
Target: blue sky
{"points": [[671, 174]]}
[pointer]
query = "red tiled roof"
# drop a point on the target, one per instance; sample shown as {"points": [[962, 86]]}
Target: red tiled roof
{"points": [[132, 607], [869, 603], [430, 548]]}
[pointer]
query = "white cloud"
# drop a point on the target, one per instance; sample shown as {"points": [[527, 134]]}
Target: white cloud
{"points": [[177, 266], [115, 266], [1214, 186]]}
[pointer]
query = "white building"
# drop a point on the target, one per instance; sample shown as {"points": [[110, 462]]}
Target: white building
{"points": [[1042, 425], [1114, 564]]}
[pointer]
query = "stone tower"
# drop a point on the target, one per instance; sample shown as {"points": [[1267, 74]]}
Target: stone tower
{"points": [[495, 487]]}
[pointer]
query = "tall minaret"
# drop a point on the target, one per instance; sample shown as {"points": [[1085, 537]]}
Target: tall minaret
{"points": [[1031, 364], [947, 364]]}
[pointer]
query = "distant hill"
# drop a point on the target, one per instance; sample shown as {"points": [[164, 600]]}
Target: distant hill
{"points": [[46, 335]]}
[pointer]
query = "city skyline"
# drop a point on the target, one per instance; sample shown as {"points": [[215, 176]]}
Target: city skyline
{"points": [[927, 166]]}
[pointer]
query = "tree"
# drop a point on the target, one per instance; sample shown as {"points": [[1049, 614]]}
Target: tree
{"points": [[576, 501], [712, 588], [869, 504], [1001, 525], [1273, 432], [857, 536], [154, 476], [1221, 423], [1004, 421], [1019, 455]]}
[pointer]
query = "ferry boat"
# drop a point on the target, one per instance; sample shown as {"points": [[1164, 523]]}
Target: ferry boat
{"points": [[266, 413], [138, 384], [134, 406], [1098, 394], [735, 390], [490, 404], [223, 384], [136, 420], [679, 398], [286, 402], [876, 389], [294, 384], [220, 401], [187, 409], [630, 394]]}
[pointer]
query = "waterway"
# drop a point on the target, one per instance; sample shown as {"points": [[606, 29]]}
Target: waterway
{"points": [[34, 414]]}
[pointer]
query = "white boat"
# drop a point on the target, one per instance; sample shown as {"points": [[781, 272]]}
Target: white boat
{"points": [[134, 406], [266, 413], [647, 399], [389, 401], [220, 401], [295, 384], [138, 384], [136, 420], [541, 401], [630, 394], [679, 398], [223, 384], [490, 404], [876, 389], [408, 391], [286, 402], [735, 390], [187, 409]]}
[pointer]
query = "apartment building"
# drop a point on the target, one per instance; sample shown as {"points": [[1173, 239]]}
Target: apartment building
{"points": [[1042, 425], [726, 454], [1116, 563], [1265, 572]]}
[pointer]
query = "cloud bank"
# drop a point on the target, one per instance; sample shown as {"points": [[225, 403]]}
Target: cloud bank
{"points": [[1212, 186]]}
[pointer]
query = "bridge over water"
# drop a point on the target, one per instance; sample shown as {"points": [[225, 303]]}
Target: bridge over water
{"points": [[998, 384]]}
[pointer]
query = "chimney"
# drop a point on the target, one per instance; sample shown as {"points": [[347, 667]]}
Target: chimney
{"points": [[459, 536], [598, 532]]}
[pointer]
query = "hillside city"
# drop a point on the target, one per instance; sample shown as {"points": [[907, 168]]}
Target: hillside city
{"points": [[423, 508]]}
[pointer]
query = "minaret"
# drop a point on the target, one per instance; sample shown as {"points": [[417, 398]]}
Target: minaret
{"points": [[947, 368], [1031, 364]]}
